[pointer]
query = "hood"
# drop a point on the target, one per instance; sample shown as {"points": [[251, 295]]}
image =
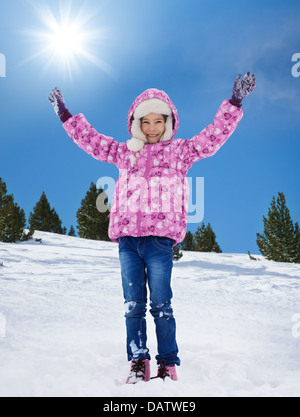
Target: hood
{"points": [[151, 101]]}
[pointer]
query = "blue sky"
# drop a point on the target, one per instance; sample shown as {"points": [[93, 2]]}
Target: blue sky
{"points": [[191, 49]]}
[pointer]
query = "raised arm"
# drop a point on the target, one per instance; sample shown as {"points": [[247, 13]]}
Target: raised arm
{"points": [[101, 147], [210, 139]]}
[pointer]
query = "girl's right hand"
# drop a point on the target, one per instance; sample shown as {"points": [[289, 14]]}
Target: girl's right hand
{"points": [[57, 100]]}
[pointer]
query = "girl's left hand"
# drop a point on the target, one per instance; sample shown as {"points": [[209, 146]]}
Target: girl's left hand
{"points": [[243, 87]]}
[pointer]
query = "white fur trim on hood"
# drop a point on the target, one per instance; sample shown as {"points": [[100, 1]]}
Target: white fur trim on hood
{"points": [[153, 105]]}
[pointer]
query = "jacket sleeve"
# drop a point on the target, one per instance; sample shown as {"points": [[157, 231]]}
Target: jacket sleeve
{"points": [[210, 139], [101, 147]]}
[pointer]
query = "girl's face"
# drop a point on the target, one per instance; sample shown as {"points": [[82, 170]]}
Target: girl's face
{"points": [[153, 126]]}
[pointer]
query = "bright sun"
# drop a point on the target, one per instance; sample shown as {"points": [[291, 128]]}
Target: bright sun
{"points": [[66, 42]]}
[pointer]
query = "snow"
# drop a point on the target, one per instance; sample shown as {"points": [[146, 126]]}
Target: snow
{"points": [[62, 326]]}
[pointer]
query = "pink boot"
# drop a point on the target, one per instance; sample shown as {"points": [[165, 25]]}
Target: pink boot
{"points": [[167, 371], [140, 371]]}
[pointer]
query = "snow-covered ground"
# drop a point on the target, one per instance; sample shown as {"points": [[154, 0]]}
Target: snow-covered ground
{"points": [[62, 330]]}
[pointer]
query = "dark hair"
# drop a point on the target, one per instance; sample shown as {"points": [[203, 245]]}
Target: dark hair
{"points": [[172, 118], [164, 116]]}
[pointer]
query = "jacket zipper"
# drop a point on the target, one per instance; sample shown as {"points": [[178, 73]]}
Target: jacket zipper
{"points": [[139, 214]]}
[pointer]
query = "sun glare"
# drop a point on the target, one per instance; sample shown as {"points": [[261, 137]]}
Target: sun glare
{"points": [[66, 42]]}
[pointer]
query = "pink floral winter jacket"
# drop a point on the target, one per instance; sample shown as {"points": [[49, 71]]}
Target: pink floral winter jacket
{"points": [[151, 197]]}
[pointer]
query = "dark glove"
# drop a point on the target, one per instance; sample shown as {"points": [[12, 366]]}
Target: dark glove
{"points": [[57, 100], [243, 87]]}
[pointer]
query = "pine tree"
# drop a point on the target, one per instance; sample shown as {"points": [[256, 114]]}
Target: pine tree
{"points": [[205, 239], [297, 239], [72, 231], [93, 224], [12, 217], [188, 242], [3, 190], [44, 218], [176, 253], [281, 239]]}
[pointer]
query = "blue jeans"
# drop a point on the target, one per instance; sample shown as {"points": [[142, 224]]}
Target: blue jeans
{"points": [[149, 260]]}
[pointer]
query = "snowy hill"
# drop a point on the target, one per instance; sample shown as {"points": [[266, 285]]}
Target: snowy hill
{"points": [[62, 330]]}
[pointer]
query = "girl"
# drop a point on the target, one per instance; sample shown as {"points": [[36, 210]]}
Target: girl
{"points": [[149, 208]]}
